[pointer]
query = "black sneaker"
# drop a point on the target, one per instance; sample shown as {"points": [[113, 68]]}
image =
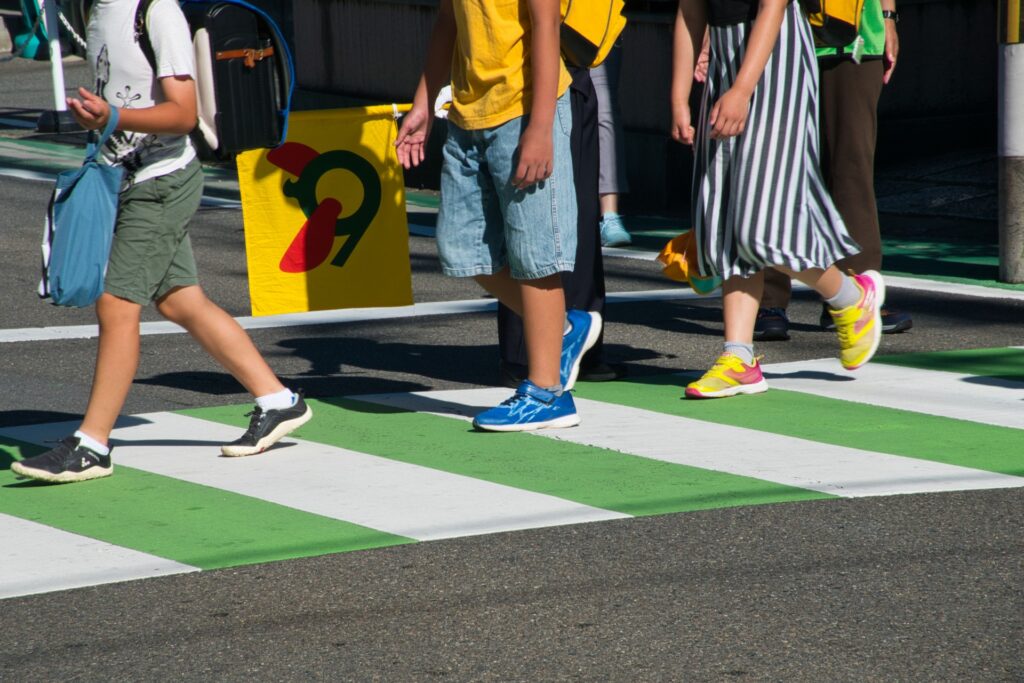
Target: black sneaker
{"points": [[69, 461], [269, 427], [771, 324], [894, 321]]}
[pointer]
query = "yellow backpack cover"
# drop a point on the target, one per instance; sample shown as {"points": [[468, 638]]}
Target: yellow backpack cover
{"points": [[590, 29], [835, 23]]}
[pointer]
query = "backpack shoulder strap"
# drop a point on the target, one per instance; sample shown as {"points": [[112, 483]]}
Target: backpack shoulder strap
{"points": [[142, 33]]}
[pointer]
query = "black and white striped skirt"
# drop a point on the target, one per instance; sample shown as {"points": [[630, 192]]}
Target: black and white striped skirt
{"points": [[759, 198]]}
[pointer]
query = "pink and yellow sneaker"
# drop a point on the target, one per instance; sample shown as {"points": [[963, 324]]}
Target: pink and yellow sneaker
{"points": [[727, 377], [859, 327]]}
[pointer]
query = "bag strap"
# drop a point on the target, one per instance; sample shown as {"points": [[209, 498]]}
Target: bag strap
{"points": [[94, 147], [142, 35]]}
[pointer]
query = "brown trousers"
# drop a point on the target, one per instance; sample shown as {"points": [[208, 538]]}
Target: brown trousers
{"points": [[849, 127]]}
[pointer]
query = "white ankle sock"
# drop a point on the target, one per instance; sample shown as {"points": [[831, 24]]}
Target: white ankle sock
{"points": [[848, 295], [745, 352], [285, 398], [91, 443]]}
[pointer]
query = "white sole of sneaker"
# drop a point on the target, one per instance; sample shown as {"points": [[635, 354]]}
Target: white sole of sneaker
{"points": [[592, 334], [557, 423], [757, 388], [876, 328], [63, 477], [282, 430]]}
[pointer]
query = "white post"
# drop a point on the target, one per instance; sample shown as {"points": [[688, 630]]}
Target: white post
{"points": [[56, 59], [1011, 142]]}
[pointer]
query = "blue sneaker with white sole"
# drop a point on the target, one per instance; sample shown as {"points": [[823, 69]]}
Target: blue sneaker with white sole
{"points": [[584, 329], [529, 408]]}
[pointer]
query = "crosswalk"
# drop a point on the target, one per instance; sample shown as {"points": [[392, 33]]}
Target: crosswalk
{"points": [[387, 469]]}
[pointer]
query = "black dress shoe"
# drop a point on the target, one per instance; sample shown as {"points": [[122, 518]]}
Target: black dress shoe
{"points": [[894, 320], [771, 324]]}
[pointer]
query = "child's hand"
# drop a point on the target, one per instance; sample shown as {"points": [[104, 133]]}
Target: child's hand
{"points": [[729, 115], [536, 151], [682, 130], [91, 112], [412, 137], [700, 71]]}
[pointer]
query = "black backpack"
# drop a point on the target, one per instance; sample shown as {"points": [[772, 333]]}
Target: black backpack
{"points": [[244, 75]]}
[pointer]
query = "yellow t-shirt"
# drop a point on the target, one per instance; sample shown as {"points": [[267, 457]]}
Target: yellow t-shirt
{"points": [[491, 80]]}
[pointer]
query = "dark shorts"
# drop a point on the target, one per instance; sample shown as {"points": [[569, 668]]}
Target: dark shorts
{"points": [[151, 253]]}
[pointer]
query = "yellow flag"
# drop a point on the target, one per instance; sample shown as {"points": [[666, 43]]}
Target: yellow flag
{"points": [[325, 223]]}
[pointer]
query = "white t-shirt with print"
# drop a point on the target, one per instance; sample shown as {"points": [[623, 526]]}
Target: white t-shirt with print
{"points": [[124, 78]]}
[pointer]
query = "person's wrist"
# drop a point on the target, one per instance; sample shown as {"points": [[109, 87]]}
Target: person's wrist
{"points": [[891, 15]]}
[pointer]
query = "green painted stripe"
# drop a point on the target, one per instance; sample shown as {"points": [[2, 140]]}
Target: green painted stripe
{"points": [[192, 524], [960, 262], [422, 199], [593, 476], [1000, 363], [827, 420]]}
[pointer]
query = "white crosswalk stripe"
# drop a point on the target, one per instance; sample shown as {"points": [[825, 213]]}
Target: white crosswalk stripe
{"points": [[38, 558]]}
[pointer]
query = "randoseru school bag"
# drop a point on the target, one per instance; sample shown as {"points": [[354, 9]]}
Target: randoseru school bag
{"points": [[589, 30], [834, 23], [244, 75], [80, 227]]}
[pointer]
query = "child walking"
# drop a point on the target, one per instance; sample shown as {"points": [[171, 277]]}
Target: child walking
{"points": [[508, 206], [758, 196], [151, 257]]}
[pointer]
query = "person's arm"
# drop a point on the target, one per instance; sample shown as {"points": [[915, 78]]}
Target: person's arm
{"points": [[729, 114], [176, 115], [690, 26], [536, 145], [892, 42], [415, 130]]}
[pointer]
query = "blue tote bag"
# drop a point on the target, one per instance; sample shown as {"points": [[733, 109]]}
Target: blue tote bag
{"points": [[80, 228]]}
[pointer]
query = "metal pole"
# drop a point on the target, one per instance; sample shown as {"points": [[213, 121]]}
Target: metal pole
{"points": [[56, 59], [1011, 142]]}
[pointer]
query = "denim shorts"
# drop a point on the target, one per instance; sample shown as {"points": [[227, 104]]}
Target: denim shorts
{"points": [[485, 224], [151, 253]]}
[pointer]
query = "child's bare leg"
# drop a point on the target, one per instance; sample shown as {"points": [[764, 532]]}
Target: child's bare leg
{"points": [[740, 298], [221, 336], [117, 360], [503, 287], [541, 304], [825, 282], [543, 325]]}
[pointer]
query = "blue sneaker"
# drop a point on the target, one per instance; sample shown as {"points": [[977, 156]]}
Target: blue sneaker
{"points": [[585, 328], [613, 232], [529, 408]]}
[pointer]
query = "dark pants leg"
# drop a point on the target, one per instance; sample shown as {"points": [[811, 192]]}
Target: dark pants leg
{"points": [[584, 286], [849, 127]]}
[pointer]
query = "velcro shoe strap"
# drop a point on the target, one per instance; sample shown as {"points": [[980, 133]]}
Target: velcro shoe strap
{"points": [[536, 393]]}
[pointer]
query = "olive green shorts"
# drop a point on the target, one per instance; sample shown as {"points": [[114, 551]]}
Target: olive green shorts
{"points": [[151, 253]]}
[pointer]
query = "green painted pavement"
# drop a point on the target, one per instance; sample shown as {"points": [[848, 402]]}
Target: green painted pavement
{"points": [[827, 420], [189, 523], [593, 476]]}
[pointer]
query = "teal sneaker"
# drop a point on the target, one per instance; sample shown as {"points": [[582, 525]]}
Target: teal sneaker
{"points": [[613, 232], [528, 409], [584, 329]]}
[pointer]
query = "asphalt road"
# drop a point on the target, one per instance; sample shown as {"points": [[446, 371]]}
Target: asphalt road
{"points": [[922, 588]]}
